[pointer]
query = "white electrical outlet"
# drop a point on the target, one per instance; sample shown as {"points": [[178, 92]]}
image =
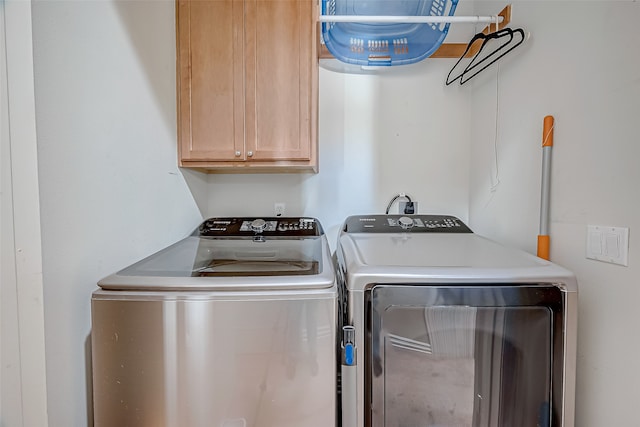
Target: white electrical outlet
{"points": [[279, 209], [407, 208]]}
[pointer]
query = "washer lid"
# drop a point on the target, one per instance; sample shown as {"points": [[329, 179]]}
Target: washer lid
{"points": [[378, 249], [200, 257], [212, 258], [437, 250]]}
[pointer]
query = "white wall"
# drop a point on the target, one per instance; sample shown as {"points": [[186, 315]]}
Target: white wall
{"points": [[582, 66], [111, 191], [400, 131]]}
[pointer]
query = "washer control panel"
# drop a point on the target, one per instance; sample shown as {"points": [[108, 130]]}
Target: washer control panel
{"points": [[404, 224], [298, 226]]}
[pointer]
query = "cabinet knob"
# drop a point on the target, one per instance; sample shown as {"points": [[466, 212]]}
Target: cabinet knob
{"points": [[238, 153], [250, 153]]}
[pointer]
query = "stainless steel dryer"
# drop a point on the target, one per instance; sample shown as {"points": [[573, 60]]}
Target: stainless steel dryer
{"points": [[233, 326], [452, 329]]}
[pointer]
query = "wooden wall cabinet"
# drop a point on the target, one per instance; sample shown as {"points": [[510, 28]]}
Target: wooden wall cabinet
{"points": [[247, 85]]}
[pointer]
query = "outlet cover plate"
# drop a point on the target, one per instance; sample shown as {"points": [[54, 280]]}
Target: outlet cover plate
{"points": [[402, 208], [279, 208], [608, 244]]}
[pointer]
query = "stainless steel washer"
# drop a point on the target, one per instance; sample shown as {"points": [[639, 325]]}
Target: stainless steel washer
{"points": [[452, 329], [233, 326]]}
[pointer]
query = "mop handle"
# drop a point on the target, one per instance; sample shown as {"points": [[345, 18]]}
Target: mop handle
{"points": [[547, 144]]}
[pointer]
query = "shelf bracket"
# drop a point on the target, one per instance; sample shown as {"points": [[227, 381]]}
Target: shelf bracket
{"points": [[455, 50]]}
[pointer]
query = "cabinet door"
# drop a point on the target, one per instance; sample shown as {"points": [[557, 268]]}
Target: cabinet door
{"points": [[281, 80], [211, 83]]}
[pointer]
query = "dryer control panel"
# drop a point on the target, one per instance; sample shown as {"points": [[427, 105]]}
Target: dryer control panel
{"points": [[404, 224], [292, 227]]}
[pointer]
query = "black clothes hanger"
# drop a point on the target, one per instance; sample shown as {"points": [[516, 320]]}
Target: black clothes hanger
{"points": [[473, 40], [511, 45], [481, 56], [474, 63], [485, 38]]}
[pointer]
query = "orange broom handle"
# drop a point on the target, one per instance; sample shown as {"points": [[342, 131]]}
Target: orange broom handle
{"points": [[547, 131], [547, 144]]}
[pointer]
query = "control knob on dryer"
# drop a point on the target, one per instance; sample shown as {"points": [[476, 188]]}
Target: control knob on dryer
{"points": [[258, 225], [405, 222]]}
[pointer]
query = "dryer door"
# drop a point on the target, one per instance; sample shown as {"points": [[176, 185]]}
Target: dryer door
{"points": [[460, 355]]}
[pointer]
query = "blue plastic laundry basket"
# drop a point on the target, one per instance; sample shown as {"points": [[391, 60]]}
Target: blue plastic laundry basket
{"points": [[381, 43]]}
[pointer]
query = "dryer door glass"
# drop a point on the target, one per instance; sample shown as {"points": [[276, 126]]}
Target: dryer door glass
{"points": [[458, 356]]}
